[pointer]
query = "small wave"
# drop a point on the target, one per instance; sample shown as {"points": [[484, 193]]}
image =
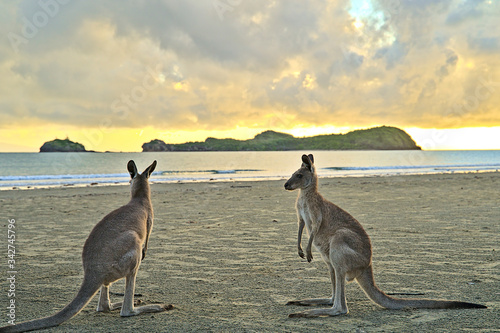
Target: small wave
{"points": [[62, 177], [224, 171], [409, 167], [187, 172]]}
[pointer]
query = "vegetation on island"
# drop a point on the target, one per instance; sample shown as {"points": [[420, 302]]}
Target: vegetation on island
{"points": [[377, 138], [59, 145]]}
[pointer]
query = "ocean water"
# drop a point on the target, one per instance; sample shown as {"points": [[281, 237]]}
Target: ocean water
{"points": [[35, 170]]}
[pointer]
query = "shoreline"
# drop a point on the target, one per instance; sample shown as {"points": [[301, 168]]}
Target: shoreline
{"points": [[215, 180], [224, 254]]}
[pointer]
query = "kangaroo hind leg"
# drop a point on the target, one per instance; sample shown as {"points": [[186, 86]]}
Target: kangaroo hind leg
{"points": [[104, 304], [128, 308], [339, 303], [346, 262], [319, 301]]}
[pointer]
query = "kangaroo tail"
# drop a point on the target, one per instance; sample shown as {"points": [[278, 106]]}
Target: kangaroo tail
{"points": [[87, 291], [367, 282]]}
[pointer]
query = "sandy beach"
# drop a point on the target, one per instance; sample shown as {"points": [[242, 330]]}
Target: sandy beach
{"points": [[224, 254]]}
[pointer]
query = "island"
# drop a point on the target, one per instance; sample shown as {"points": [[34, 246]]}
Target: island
{"points": [[65, 146], [377, 138]]}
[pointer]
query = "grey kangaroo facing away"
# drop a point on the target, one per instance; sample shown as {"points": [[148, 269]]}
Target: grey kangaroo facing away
{"points": [[113, 250], [346, 249]]}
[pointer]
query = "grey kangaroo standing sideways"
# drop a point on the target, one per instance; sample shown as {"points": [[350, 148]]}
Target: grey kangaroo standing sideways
{"points": [[113, 250], [346, 249]]}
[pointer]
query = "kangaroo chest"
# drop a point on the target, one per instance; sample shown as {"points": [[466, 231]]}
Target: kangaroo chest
{"points": [[309, 213]]}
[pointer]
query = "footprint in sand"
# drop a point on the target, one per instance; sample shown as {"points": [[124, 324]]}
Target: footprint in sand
{"points": [[426, 317]]}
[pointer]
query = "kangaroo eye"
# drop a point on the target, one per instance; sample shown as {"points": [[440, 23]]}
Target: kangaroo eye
{"points": [[299, 176]]}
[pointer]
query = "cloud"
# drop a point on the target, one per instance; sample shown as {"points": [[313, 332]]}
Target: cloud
{"points": [[487, 44], [220, 64], [468, 10]]}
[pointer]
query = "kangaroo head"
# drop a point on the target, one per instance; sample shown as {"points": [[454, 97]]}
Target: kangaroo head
{"points": [[305, 176], [139, 181]]}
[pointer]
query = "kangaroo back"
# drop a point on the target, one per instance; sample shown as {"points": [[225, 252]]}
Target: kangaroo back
{"points": [[367, 283]]}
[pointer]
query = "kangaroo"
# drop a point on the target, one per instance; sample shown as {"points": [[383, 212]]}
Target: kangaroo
{"points": [[345, 247], [113, 250]]}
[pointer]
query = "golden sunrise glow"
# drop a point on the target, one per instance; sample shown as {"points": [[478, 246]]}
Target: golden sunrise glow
{"points": [[181, 86], [308, 82], [470, 64], [29, 139], [358, 24], [458, 138], [304, 131]]}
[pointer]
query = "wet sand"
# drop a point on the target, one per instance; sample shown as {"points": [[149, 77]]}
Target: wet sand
{"points": [[224, 254]]}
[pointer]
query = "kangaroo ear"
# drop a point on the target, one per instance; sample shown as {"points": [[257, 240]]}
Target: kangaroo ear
{"points": [[311, 158], [149, 170], [306, 162], [132, 169]]}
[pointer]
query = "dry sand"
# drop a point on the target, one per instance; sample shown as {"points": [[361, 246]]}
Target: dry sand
{"points": [[224, 254]]}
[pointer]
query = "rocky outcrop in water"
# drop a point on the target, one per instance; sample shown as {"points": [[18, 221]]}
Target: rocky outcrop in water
{"points": [[59, 145]]}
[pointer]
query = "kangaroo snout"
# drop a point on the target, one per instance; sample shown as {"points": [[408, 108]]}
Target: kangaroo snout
{"points": [[288, 186]]}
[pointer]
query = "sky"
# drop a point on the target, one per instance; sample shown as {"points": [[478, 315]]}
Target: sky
{"points": [[113, 75]]}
